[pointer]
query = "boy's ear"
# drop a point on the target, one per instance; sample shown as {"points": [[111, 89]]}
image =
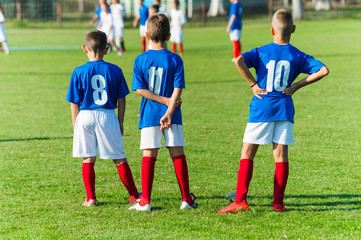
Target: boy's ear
{"points": [[85, 49], [273, 31], [293, 28], [168, 37], [147, 36], [106, 50]]}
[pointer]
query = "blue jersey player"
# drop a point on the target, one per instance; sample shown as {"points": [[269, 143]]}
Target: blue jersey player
{"points": [[271, 114], [234, 27], [96, 89], [142, 18], [159, 78]]}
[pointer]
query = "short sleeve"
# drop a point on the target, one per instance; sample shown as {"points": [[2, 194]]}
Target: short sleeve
{"points": [[74, 93], [179, 81], [138, 79], [251, 58], [310, 65], [123, 88], [232, 10]]}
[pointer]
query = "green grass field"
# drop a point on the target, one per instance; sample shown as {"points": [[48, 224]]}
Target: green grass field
{"points": [[41, 186]]}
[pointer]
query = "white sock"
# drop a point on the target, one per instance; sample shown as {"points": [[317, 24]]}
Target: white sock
{"points": [[6, 47]]}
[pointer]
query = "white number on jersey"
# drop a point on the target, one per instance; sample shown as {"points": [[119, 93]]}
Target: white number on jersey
{"points": [[155, 79], [100, 96], [274, 78]]}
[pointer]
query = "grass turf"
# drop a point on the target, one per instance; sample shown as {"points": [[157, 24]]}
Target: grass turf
{"points": [[41, 186]]}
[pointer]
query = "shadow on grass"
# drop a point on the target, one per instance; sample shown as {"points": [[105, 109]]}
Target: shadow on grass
{"points": [[34, 139]]}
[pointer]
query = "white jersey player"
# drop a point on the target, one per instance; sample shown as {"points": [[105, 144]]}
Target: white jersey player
{"points": [[178, 19], [118, 11], [3, 39]]}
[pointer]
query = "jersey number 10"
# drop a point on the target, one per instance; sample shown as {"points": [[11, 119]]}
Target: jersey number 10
{"points": [[155, 79], [274, 77]]}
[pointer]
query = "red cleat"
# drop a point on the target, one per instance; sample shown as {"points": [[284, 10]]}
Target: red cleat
{"points": [[133, 199], [278, 207], [234, 208]]}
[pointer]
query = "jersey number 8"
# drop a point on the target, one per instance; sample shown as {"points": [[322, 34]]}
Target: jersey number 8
{"points": [[274, 78], [100, 96]]}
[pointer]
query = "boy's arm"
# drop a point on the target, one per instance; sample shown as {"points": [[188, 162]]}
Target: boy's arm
{"points": [[312, 78], [121, 112], [74, 112], [135, 22], [166, 120], [243, 69], [231, 20], [154, 97]]}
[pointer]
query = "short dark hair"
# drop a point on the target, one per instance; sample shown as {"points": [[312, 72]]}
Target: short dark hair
{"points": [[158, 28], [176, 2], [96, 41], [155, 8]]}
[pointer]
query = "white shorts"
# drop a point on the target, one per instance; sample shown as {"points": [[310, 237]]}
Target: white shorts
{"points": [[176, 35], [118, 31], [235, 35], [98, 130], [151, 137], [2, 33], [266, 132], [142, 30]]}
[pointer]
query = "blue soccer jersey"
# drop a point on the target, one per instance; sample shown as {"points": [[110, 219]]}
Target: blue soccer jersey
{"points": [[97, 84], [144, 14], [159, 71], [236, 9], [277, 66]]}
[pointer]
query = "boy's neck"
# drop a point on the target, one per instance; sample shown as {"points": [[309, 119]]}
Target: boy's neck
{"points": [[281, 40], [91, 57], [158, 46]]}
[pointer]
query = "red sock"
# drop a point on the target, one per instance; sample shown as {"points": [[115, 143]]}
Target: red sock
{"points": [[236, 49], [244, 178], [143, 44], [174, 48], [181, 171], [280, 182], [148, 164], [181, 48], [89, 180], [126, 176]]}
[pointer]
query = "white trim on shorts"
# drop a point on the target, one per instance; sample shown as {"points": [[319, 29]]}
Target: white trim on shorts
{"points": [[235, 35], [265, 133], [151, 137], [97, 133], [142, 30]]}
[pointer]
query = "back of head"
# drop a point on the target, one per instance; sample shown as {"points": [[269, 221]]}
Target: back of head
{"points": [[176, 2], [282, 22], [96, 41], [158, 28]]}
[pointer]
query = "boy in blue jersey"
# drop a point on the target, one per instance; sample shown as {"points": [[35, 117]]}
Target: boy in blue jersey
{"points": [[95, 90], [272, 112], [159, 78], [234, 27], [142, 17]]}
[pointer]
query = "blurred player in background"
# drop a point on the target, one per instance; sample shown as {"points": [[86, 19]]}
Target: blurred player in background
{"points": [[96, 89], [162, 9], [271, 112], [154, 9], [178, 19], [106, 26], [234, 27], [142, 17], [117, 11], [3, 38], [158, 77], [96, 17]]}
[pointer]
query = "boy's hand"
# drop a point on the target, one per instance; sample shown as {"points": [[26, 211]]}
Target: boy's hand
{"points": [[228, 29], [179, 102], [258, 91], [289, 91], [121, 127], [165, 121]]}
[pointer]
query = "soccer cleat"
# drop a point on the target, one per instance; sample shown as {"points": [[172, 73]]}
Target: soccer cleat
{"points": [[234, 208], [133, 199], [186, 205], [278, 207], [89, 203], [138, 207], [233, 59], [120, 53]]}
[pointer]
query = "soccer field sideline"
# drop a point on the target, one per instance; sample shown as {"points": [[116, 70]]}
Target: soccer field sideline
{"points": [[41, 182]]}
